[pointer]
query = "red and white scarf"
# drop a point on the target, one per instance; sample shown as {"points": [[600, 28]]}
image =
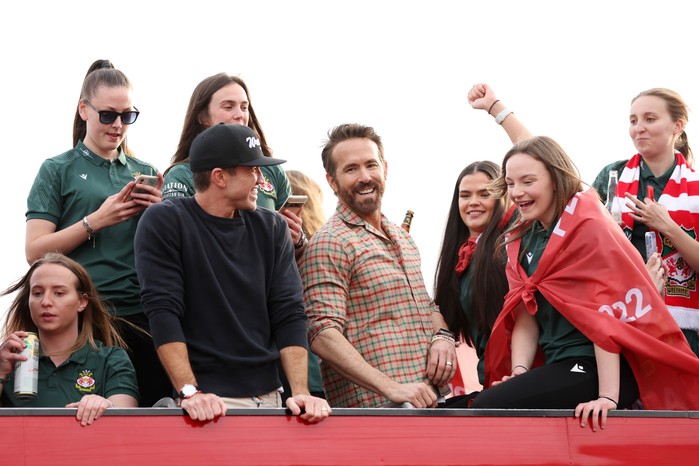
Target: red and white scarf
{"points": [[594, 277], [681, 198]]}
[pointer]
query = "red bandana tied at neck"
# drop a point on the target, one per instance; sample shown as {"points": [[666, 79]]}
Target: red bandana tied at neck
{"points": [[465, 253]]}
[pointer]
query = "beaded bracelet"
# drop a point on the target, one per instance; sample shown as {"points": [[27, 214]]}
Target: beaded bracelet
{"points": [[442, 337]]}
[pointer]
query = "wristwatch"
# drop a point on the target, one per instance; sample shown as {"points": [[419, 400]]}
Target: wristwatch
{"points": [[188, 390], [302, 241], [445, 332]]}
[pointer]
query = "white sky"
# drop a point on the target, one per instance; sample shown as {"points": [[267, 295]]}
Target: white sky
{"points": [[568, 69]]}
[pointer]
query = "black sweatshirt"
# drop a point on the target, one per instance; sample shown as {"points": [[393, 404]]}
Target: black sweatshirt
{"points": [[228, 288]]}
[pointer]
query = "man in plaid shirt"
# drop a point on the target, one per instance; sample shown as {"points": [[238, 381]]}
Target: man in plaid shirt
{"points": [[371, 321]]}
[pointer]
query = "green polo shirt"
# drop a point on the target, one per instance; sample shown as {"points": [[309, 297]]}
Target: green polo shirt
{"points": [[106, 371], [75, 184], [271, 194], [558, 338], [274, 192], [646, 178], [178, 182], [638, 234]]}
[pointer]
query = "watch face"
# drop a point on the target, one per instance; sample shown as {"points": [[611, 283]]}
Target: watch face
{"points": [[188, 390]]}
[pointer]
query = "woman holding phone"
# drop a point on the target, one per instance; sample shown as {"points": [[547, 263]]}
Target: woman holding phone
{"points": [[223, 98], [83, 204]]}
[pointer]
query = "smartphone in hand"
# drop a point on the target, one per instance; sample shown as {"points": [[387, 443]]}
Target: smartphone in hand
{"points": [[142, 179], [295, 203], [651, 245]]}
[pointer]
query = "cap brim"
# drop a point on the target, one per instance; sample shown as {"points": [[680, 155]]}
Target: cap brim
{"points": [[262, 162]]}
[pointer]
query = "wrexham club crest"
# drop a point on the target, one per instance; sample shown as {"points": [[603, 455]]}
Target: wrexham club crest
{"points": [[682, 279], [266, 187], [86, 381]]}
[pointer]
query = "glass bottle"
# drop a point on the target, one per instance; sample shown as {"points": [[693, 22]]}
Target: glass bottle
{"points": [[407, 220], [613, 203]]}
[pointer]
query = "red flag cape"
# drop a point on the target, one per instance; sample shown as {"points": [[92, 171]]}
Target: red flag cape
{"points": [[595, 278]]}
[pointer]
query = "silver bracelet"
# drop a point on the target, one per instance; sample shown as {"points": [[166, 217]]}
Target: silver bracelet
{"points": [[90, 231]]}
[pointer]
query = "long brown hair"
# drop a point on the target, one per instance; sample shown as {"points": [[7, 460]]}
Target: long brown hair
{"points": [[100, 73], [197, 111], [678, 111], [489, 280], [313, 215], [564, 176], [94, 322]]}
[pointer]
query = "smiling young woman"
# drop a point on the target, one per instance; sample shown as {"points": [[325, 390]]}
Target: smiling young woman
{"points": [[470, 282], [663, 167], [564, 301]]}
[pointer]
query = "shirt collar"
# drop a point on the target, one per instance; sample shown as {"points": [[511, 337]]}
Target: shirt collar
{"points": [[96, 159], [646, 174], [79, 356], [351, 217]]}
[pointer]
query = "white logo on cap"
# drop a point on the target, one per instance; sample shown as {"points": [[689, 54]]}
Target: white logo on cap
{"points": [[252, 141]]}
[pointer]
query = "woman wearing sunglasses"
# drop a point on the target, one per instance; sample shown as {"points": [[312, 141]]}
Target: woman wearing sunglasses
{"points": [[82, 205]]}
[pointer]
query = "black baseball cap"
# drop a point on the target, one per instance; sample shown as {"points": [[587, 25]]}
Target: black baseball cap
{"points": [[224, 146]]}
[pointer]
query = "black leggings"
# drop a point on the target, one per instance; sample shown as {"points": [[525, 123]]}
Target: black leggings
{"points": [[560, 385]]}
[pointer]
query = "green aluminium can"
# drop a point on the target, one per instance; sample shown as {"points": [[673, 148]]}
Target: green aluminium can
{"points": [[27, 372]]}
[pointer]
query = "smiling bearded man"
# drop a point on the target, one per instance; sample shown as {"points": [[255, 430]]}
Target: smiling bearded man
{"points": [[371, 321]]}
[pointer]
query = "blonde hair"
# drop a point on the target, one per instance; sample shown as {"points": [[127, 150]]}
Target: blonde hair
{"points": [[94, 322], [313, 215]]}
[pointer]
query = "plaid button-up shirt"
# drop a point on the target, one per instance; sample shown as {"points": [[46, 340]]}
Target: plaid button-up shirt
{"points": [[368, 285]]}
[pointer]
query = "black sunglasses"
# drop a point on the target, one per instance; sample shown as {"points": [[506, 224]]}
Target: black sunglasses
{"points": [[107, 117]]}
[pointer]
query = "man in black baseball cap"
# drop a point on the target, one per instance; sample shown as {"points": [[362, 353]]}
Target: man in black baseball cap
{"points": [[220, 286], [225, 153], [224, 146]]}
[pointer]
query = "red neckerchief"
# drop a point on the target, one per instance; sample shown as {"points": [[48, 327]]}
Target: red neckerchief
{"points": [[469, 247], [465, 253]]}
